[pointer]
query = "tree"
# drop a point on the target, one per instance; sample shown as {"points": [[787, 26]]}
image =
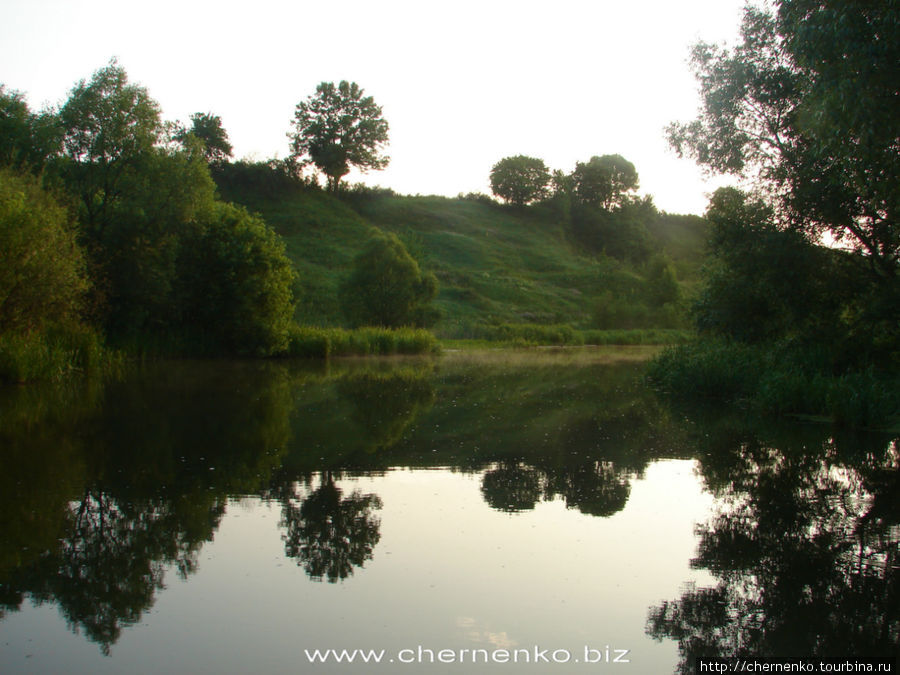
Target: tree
{"points": [[27, 140], [520, 180], [107, 125], [43, 276], [387, 287], [339, 128], [762, 282], [237, 284], [807, 105], [207, 128], [604, 181]]}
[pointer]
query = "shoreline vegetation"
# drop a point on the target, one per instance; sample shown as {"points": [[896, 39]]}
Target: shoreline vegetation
{"points": [[125, 236]]}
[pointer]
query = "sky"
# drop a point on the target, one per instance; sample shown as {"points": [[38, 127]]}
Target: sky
{"points": [[462, 84]]}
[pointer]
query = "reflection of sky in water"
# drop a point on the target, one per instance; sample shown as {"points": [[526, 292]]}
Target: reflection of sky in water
{"points": [[448, 572]]}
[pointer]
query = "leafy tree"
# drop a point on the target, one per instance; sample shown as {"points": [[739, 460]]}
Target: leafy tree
{"points": [[107, 125], [27, 140], [166, 199], [520, 180], [237, 284], [42, 277], [339, 128], [387, 287], [807, 104], [761, 282], [604, 181], [207, 128]]}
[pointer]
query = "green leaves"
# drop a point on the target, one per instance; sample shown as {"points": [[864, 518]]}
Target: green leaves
{"points": [[339, 128], [520, 180], [387, 288], [42, 278], [604, 181]]}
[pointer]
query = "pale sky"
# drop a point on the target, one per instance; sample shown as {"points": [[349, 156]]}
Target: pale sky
{"points": [[462, 84]]}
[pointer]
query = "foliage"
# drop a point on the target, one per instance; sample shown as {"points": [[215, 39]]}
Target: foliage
{"points": [[108, 124], [807, 103], [387, 288], [207, 128], [236, 284], [166, 198], [43, 276], [761, 282], [662, 282], [51, 353], [784, 378], [520, 180], [621, 233], [604, 181], [27, 139], [339, 128]]}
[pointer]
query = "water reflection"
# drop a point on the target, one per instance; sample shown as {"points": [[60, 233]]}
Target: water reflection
{"points": [[804, 543], [595, 487], [107, 487], [328, 532]]}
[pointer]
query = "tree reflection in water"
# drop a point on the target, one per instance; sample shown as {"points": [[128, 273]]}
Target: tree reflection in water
{"points": [[805, 545], [330, 533], [593, 487], [105, 572]]}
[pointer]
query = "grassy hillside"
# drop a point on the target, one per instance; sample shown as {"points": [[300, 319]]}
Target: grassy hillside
{"points": [[495, 264]]}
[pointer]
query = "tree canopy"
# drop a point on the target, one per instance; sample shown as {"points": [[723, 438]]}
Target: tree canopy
{"points": [[604, 181], [208, 129], [807, 104], [387, 287], [520, 179], [338, 128], [43, 276]]}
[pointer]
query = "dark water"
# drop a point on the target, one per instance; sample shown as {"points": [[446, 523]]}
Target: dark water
{"points": [[471, 514]]}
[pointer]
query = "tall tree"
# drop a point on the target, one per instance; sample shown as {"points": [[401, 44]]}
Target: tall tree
{"points": [[108, 123], [339, 128], [520, 180], [807, 104]]}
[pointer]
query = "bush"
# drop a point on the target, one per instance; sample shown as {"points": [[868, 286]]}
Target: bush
{"points": [[779, 379], [386, 287], [238, 285], [42, 275], [50, 354]]}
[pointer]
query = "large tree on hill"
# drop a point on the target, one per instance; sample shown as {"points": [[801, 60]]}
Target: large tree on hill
{"points": [[339, 128], [520, 180], [807, 104], [604, 181], [208, 129]]}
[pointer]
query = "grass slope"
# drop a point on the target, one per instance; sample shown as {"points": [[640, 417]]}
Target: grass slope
{"points": [[495, 264]]}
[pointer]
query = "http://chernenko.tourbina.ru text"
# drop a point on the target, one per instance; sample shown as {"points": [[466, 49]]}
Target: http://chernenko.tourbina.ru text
{"points": [[793, 665], [420, 655]]}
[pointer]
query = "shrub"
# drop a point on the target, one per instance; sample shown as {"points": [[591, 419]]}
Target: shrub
{"points": [[386, 287]]}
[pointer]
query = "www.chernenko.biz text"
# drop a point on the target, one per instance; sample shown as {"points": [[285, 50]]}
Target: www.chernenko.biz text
{"points": [[423, 655]]}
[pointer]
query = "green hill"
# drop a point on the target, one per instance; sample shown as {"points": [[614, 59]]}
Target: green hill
{"points": [[496, 264]]}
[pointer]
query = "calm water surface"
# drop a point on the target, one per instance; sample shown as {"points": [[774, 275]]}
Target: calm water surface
{"points": [[477, 513]]}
